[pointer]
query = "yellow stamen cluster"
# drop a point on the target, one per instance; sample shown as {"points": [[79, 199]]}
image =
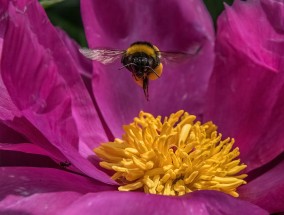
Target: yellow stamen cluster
{"points": [[173, 157]]}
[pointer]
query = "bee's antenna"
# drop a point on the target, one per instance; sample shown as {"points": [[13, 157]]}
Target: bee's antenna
{"points": [[153, 71], [127, 65]]}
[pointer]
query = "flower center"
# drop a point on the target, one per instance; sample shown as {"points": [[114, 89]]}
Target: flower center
{"points": [[173, 157]]}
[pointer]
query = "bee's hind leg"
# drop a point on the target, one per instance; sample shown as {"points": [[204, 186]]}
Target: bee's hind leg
{"points": [[145, 88]]}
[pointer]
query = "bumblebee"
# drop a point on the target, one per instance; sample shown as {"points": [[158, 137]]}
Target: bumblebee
{"points": [[142, 59]]}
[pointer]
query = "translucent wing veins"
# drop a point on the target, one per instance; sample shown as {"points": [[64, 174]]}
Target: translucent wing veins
{"points": [[177, 56], [105, 56]]}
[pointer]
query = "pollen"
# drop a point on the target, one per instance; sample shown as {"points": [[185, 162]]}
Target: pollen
{"points": [[173, 156]]}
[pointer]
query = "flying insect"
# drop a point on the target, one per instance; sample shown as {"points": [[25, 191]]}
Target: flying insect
{"points": [[142, 59]]}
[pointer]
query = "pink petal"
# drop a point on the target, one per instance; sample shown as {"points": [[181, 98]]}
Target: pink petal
{"points": [[245, 94], [266, 191], [9, 158], [38, 204], [200, 202], [274, 11], [8, 135], [42, 190], [31, 133], [8, 110], [24, 147], [46, 86], [84, 65], [40, 180], [27, 154], [172, 26], [11, 116]]}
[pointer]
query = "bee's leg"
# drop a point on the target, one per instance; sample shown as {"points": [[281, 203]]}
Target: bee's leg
{"points": [[145, 87], [152, 71], [134, 76]]}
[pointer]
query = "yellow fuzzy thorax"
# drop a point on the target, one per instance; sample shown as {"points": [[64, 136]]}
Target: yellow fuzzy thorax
{"points": [[142, 48]]}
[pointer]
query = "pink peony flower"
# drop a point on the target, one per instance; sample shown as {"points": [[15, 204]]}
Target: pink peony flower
{"points": [[51, 119]]}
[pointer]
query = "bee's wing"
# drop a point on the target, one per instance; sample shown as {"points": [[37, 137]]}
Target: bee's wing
{"points": [[105, 56], [178, 57]]}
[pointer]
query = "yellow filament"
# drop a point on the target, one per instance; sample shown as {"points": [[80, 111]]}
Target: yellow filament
{"points": [[173, 157]]}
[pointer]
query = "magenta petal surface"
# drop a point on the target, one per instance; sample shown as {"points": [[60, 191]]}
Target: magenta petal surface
{"points": [[83, 65], [24, 147], [200, 202], [8, 109], [30, 155], [27, 154], [24, 127], [49, 90], [8, 135], [42, 190], [266, 191], [13, 123], [16, 158], [246, 91], [171, 26], [38, 204], [274, 10]]}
